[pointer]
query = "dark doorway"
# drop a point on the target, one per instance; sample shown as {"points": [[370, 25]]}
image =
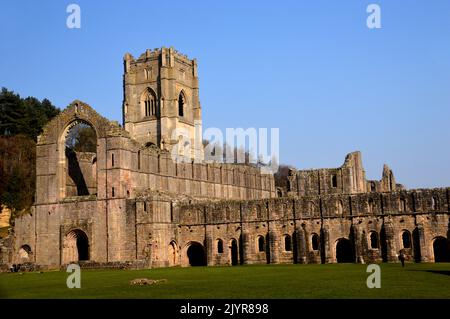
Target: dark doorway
{"points": [[441, 249], [416, 245], [82, 246], [196, 255], [383, 245], [344, 251], [234, 252]]}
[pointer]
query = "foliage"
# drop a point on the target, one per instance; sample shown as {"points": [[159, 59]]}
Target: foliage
{"points": [[21, 121], [82, 138]]}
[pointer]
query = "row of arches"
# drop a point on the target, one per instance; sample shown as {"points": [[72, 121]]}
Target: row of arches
{"points": [[150, 105]]}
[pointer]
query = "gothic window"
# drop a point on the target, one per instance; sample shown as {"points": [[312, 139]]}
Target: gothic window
{"points": [[181, 103], [148, 101]]}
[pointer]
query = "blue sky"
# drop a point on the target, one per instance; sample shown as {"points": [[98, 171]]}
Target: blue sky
{"points": [[311, 68]]}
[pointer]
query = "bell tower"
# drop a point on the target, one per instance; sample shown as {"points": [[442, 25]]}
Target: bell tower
{"points": [[161, 101]]}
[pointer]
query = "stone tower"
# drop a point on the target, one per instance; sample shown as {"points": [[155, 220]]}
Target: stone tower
{"points": [[161, 101]]}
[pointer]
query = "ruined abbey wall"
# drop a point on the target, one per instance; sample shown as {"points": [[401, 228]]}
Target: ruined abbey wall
{"points": [[424, 218]]}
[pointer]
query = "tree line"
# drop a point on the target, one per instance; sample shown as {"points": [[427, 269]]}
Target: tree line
{"points": [[21, 122]]}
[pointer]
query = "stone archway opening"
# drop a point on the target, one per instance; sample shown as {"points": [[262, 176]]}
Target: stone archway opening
{"points": [[196, 254], [234, 252], [344, 251], [76, 246], [80, 158], [173, 254], [441, 250], [25, 253]]}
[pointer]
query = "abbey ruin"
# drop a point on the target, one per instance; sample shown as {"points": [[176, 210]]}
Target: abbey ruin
{"points": [[126, 203]]}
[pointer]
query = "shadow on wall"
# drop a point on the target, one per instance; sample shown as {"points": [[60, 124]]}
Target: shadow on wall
{"points": [[75, 173]]}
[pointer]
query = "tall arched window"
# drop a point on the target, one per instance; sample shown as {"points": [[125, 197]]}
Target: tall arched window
{"points": [[402, 205], [373, 240], [370, 205], [315, 242], [261, 244], [181, 103], [406, 239], [219, 246], [434, 203], [139, 160], [287, 243], [149, 104], [339, 208], [334, 181]]}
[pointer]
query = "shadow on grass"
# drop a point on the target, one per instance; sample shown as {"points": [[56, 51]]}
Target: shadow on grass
{"points": [[439, 272]]}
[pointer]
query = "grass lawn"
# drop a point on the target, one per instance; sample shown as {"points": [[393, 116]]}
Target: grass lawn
{"points": [[259, 281]]}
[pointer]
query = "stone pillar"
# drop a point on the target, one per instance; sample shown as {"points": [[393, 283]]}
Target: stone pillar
{"points": [[390, 242], [274, 251], [246, 248], [209, 242], [357, 244], [325, 246], [424, 253], [300, 237]]}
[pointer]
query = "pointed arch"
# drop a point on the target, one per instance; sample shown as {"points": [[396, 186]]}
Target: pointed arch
{"points": [[182, 102], [149, 103]]}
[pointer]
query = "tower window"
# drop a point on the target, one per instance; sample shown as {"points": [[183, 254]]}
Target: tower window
{"points": [[139, 160], [181, 104], [148, 101], [112, 160]]}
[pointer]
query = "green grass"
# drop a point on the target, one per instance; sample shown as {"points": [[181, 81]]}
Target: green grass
{"points": [[262, 281]]}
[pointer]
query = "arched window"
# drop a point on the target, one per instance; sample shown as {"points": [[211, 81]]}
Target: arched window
{"points": [[402, 205], [434, 203], [373, 187], [25, 252], [334, 181], [287, 243], [261, 245], [370, 205], [148, 101], [315, 241], [339, 208], [312, 208], [219, 246], [406, 239], [181, 103], [373, 240]]}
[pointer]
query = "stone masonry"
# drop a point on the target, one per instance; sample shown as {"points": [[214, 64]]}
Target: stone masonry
{"points": [[130, 205]]}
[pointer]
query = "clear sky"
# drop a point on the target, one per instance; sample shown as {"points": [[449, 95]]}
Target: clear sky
{"points": [[311, 68]]}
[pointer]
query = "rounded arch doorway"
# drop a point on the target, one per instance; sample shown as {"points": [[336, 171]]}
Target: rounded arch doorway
{"points": [[195, 254], [441, 249], [75, 246], [344, 251]]}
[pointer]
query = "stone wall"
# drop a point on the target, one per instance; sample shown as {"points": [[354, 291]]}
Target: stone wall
{"points": [[274, 219]]}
